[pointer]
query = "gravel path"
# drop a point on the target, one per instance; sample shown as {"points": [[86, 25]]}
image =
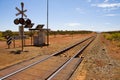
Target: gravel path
{"points": [[97, 64]]}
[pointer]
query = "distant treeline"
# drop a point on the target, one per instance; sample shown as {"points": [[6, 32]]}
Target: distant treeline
{"points": [[61, 32], [13, 33], [3, 34], [111, 32]]}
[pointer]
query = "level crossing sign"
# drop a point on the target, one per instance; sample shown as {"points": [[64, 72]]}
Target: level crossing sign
{"points": [[21, 11]]}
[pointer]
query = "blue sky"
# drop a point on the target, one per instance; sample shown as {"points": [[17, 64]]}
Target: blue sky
{"points": [[95, 15]]}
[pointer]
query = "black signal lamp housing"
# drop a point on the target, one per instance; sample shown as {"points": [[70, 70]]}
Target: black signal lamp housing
{"points": [[16, 21], [22, 21]]}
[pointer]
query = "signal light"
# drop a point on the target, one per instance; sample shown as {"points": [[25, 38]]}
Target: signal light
{"points": [[22, 21], [16, 21], [28, 21]]}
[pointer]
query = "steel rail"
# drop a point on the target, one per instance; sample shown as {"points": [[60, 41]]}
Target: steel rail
{"points": [[54, 54], [76, 66], [67, 62]]}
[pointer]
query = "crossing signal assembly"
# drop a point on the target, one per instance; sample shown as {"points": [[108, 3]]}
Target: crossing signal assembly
{"points": [[22, 21]]}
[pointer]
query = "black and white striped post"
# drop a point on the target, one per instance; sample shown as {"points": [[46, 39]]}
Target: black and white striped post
{"points": [[9, 41]]}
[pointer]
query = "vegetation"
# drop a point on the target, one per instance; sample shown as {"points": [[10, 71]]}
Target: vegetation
{"points": [[69, 32], [1, 38], [7, 33], [112, 32], [59, 32], [4, 34], [0, 34], [114, 36]]}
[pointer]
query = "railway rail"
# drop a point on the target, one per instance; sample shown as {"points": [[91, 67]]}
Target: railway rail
{"points": [[59, 64]]}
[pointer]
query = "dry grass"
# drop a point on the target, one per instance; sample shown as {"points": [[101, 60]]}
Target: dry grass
{"points": [[113, 48]]}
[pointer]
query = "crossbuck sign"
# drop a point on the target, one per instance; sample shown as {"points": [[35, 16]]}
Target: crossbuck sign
{"points": [[22, 12]]}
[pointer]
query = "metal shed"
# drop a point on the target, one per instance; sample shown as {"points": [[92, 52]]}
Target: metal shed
{"points": [[39, 39]]}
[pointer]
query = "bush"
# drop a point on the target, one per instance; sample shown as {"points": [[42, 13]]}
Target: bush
{"points": [[116, 36], [7, 33], [2, 39], [113, 36], [0, 34], [69, 32]]}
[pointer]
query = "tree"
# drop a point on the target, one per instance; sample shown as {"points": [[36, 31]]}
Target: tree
{"points": [[0, 34], [7, 33]]}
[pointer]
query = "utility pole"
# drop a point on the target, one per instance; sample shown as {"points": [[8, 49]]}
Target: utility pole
{"points": [[47, 22]]}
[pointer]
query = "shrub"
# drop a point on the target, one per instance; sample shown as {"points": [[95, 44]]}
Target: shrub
{"points": [[113, 36], [116, 36], [2, 39], [7, 33], [0, 34]]}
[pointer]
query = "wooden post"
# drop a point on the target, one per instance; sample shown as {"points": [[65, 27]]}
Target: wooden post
{"points": [[31, 37], [22, 5], [14, 42]]}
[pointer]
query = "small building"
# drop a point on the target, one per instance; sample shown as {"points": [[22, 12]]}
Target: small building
{"points": [[39, 38]]}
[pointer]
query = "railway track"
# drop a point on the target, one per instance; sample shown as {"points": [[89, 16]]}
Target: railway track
{"points": [[57, 66]]}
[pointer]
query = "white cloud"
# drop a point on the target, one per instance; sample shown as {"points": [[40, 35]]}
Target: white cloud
{"points": [[110, 9], [111, 15], [73, 24], [107, 6], [106, 0]]}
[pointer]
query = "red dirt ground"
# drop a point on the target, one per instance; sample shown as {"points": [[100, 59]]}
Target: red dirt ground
{"points": [[7, 56]]}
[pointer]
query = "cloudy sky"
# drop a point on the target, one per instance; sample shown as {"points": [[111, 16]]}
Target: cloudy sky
{"points": [[95, 15]]}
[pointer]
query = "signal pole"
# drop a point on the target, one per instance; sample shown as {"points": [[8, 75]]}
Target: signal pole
{"points": [[21, 27], [22, 5]]}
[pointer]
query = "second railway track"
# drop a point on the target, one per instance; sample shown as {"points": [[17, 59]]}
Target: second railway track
{"points": [[57, 66]]}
